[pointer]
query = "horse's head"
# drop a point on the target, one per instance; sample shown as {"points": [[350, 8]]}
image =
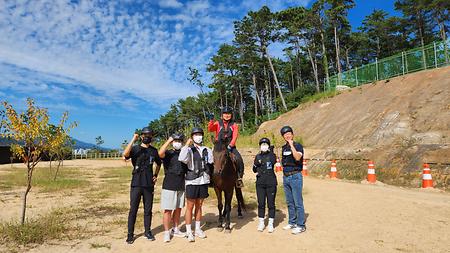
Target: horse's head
{"points": [[222, 158]]}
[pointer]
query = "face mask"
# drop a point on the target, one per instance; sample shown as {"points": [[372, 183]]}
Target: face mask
{"points": [[264, 147], [198, 139], [177, 145], [146, 140]]}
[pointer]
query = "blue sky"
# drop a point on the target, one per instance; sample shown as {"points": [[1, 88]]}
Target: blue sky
{"points": [[116, 65]]}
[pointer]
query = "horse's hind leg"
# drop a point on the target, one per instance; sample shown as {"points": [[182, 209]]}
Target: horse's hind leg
{"points": [[227, 213], [240, 200], [220, 207], [239, 197]]}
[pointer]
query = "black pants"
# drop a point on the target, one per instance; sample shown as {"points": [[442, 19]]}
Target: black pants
{"points": [[239, 161], [266, 192], [135, 198]]}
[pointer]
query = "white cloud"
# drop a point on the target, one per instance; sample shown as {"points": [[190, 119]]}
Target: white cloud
{"points": [[170, 4]]}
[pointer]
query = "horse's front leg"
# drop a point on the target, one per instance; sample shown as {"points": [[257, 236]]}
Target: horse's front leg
{"points": [[228, 199], [220, 207]]}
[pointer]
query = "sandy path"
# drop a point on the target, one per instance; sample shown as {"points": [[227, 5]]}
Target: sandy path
{"points": [[342, 216]]}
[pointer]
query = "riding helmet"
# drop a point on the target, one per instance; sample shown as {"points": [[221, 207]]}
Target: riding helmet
{"points": [[197, 130], [264, 140], [286, 129]]}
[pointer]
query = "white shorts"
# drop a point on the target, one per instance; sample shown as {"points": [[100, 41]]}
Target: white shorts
{"points": [[171, 200]]}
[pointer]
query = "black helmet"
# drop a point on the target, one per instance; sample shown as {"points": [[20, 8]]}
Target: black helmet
{"points": [[264, 140], [227, 109], [178, 136], [197, 130], [147, 130], [286, 129]]}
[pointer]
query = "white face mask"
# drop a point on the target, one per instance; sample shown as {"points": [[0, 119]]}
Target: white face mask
{"points": [[198, 139], [264, 147], [177, 145]]}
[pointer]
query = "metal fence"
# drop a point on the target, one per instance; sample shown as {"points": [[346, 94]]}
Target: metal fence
{"points": [[434, 55], [97, 156]]}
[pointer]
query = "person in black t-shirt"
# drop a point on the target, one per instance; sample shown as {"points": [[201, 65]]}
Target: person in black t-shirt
{"points": [[266, 183], [143, 157], [172, 194]]}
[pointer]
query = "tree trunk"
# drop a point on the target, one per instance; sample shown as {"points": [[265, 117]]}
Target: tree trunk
{"points": [[292, 76], [57, 169], [256, 95], [276, 80], [443, 35], [338, 63], [314, 67], [299, 67], [324, 55], [30, 169], [347, 58], [241, 107]]}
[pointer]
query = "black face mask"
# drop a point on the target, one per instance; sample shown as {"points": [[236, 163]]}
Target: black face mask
{"points": [[146, 140]]}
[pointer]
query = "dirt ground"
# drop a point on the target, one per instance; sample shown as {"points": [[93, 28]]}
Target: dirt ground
{"points": [[341, 217]]}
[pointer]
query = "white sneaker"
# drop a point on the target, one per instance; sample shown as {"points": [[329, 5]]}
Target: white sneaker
{"points": [[288, 226], [270, 227], [298, 230], [261, 225], [190, 237], [177, 233], [166, 236], [200, 234]]}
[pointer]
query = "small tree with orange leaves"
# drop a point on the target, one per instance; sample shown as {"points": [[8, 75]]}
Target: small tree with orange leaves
{"points": [[30, 131]]}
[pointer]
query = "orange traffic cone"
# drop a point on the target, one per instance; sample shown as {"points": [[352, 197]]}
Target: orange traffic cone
{"points": [[427, 181], [278, 166], [333, 170], [305, 168], [371, 176]]}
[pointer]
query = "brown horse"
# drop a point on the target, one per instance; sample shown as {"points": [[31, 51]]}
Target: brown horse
{"points": [[224, 178]]}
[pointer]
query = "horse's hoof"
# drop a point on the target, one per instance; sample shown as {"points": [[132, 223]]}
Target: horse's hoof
{"points": [[220, 229], [227, 230], [240, 216]]}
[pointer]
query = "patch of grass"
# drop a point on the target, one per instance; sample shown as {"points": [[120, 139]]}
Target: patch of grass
{"points": [[68, 178], [320, 96], [99, 211], [100, 245], [53, 225]]}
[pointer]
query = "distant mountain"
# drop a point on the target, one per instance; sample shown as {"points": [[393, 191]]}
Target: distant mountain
{"points": [[78, 144]]}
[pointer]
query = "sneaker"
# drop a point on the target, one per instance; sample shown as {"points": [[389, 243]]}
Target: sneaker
{"points": [[298, 230], [177, 233], [261, 225], [200, 234], [130, 239], [190, 237], [166, 236], [288, 226], [149, 236], [270, 227]]}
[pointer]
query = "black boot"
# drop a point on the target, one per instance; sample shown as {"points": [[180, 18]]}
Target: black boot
{"points": [[239, 181], [149, 236], [130, 239]]}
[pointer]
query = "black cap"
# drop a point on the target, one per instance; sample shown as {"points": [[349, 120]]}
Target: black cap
{"points": [[147, 130], [227, 109], [264, 140], [197, 130], [178, 136], [286, 129]]}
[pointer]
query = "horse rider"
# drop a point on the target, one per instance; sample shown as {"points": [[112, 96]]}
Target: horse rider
{"points": [[225, 127]]}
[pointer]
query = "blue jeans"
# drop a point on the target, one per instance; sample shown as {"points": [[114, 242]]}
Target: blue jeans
{"points": [[293, 191]]}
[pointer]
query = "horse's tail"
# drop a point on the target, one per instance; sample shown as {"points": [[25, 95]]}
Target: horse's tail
{"points": [[240, 198]]}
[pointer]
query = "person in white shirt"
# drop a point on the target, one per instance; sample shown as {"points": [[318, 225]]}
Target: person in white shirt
{"points": [[199, 160]]}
